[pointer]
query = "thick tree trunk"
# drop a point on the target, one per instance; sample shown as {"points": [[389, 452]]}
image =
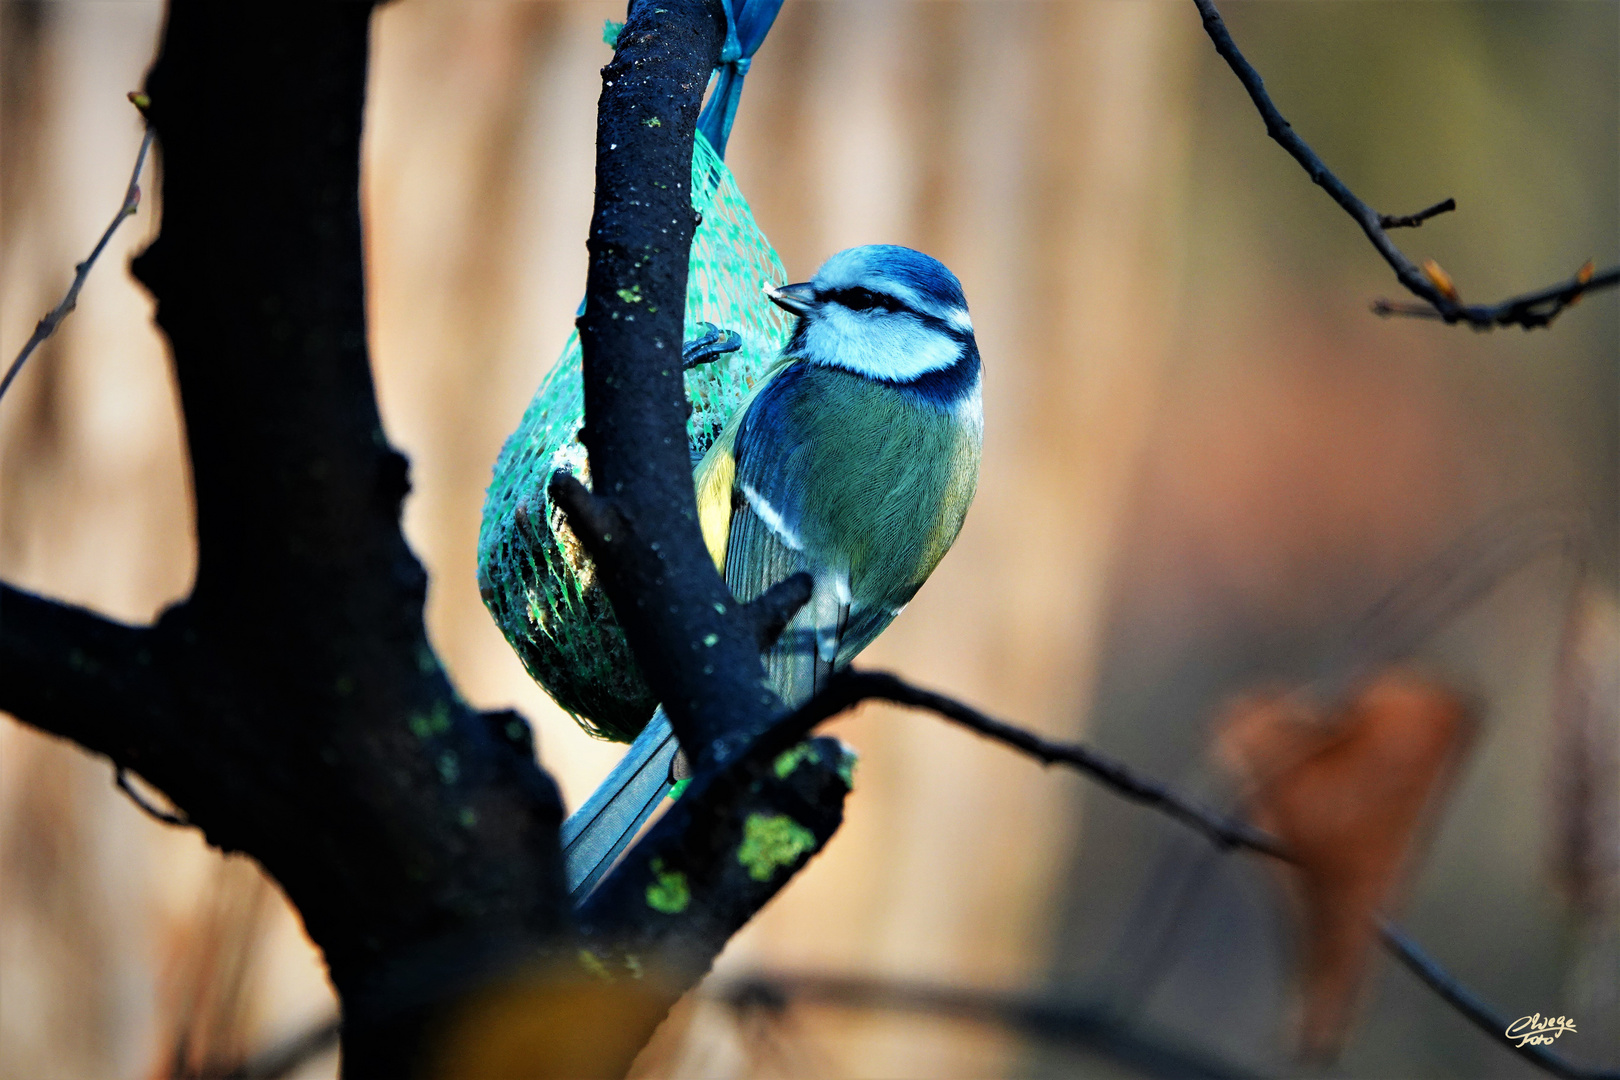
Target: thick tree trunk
{"points": [[292, 705]]}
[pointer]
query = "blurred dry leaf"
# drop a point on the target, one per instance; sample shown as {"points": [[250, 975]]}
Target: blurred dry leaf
{"points": [[1440, 279], [1584, 762], [1345, 793], [551, 1025]]}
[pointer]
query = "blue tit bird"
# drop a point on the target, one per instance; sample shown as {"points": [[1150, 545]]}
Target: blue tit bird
{"points": [[854, 460]]}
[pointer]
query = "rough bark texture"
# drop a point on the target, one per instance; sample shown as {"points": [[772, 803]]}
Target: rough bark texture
{"points": [[292, 707], [692, 881], [698, 648]]}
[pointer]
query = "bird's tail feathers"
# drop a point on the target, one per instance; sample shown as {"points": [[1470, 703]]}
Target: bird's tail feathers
{"points": [[594, 835]]}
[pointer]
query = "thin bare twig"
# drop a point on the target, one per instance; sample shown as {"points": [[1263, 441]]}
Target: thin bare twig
{"points": [[121, 779], [1529, 311], [848, 688], [1412, 221], [1478, 1013], [53, 319], [1429, 282]]}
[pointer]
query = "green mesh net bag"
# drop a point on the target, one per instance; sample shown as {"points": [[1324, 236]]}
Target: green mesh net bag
{"points": [[532, 573]]}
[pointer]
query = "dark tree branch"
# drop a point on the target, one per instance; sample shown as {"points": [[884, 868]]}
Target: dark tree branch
{"points": [[53, 319], [77, 675], [1096, 1029], [739, 833], [697, 647], [597, 521], [318, 706], [1429, 282], [774, 608], [719, 854], [292, 707]]}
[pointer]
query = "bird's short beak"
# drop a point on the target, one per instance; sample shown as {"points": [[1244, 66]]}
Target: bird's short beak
{"points": [[798, 299]]}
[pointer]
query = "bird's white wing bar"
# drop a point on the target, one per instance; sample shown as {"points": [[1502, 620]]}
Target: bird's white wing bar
{"points": [[772, 519], [595, 834]]}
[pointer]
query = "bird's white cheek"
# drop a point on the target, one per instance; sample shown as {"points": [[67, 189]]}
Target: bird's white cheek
{"points": [[881, 347]]}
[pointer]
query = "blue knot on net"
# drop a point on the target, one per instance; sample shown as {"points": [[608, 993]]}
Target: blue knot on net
{"points": [[747, 23]]}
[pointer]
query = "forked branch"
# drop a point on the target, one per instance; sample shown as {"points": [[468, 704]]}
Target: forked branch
{"points": [[1442, 300]]}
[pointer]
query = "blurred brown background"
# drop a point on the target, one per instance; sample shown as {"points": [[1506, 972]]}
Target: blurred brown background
{"points": [[1203, 459]]}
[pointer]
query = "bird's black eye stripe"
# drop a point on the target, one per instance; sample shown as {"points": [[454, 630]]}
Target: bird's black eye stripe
{"points": [[859, 299]]}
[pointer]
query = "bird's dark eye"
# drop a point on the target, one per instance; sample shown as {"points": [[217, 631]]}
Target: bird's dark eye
{"points": [[859, 299]]}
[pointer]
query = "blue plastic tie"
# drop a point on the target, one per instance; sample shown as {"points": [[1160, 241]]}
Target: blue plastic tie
{"points": [[747, 23]]}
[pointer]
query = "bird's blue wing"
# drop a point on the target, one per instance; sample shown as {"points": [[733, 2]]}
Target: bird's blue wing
{"points": [[773, 536], [862, 626]]}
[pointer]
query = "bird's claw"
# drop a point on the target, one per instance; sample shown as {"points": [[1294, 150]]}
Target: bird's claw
{"points": [[714, 344]]}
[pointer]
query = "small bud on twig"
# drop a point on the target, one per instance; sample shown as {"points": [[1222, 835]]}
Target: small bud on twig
{"points": [[1440, 280], [1583, 277]]}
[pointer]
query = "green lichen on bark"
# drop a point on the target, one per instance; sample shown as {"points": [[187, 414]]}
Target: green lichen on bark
{"points": [[791, 759], [770, 842], [847, 760], [669, 892]]}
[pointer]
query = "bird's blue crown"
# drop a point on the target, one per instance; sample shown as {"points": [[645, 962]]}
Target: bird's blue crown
{"points": [[920, 282]]}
